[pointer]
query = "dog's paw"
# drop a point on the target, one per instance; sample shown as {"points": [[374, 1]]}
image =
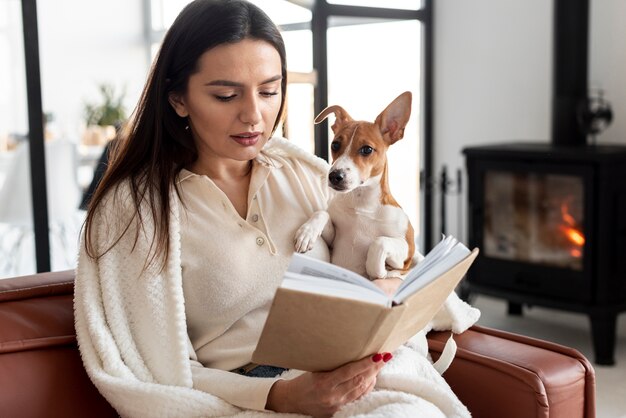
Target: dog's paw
{"points": [[375, 269], [305, 237], [383, 252], [310, 231]]}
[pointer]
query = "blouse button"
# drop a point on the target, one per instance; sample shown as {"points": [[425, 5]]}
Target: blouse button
{"points": [[255, 217], [260, 241]]}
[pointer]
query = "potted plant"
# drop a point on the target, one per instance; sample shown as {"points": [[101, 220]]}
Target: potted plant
{"points": [[105, 118]]}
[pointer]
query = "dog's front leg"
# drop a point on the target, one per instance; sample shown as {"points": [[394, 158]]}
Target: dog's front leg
{"points": [[385, 251], [311, 230]]}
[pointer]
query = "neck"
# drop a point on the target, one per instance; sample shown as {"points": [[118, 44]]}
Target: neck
{"points": [[385, 194], [373, 193], [365, 197], [222, 170]]}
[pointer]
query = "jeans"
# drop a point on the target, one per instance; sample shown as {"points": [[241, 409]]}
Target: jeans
{"points": [[260, 371]]}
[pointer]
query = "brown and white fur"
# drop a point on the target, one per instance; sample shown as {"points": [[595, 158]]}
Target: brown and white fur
{"points": [[368, 231]]}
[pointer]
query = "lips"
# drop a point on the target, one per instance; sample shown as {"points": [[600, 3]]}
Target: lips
{"points": [[246, 138]]}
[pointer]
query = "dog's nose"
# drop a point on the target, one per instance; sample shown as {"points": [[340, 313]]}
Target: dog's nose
{"points": [[336, 177]]}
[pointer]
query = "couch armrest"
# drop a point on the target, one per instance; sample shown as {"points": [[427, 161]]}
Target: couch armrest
{"points": [[500, 374], [41, 373]]}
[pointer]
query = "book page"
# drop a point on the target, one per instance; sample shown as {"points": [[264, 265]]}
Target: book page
{"points": [[455, 256], [448, 253], [433, 257], [332, 287], [308, 266]]}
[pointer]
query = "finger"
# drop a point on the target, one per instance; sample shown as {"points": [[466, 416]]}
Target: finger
{"points": [[350, 370], [357, 381], [361, 390], [369, 389]]}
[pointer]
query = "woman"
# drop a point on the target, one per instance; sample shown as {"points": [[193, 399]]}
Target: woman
{"points": [[194, 202], [190, 230]]}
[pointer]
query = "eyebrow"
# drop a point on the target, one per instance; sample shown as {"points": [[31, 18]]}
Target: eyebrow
{"points": [[236, 84]]}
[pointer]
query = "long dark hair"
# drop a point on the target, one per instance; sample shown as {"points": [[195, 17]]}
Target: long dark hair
{"points": [[155, 145]]}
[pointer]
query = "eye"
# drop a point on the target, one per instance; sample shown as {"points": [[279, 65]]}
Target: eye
{"points": [[269, 93], [225, 98], [366, 150], [335, 146]]}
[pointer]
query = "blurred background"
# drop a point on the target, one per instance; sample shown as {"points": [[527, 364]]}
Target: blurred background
{"points": [[94, 58]]}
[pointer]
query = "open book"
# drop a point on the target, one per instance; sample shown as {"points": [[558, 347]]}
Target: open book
{"points": [[324, 316]]}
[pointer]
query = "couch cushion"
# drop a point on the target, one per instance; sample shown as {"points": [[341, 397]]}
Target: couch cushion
{"points": [[41, 374]]}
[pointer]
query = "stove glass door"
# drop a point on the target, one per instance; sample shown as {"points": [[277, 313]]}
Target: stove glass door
{"points": [[535, 218]]}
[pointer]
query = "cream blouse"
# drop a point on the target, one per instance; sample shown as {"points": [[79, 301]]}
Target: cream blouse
{"points": [[232, 266]]}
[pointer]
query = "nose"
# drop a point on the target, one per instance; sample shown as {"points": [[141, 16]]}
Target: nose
{"points": [[336, 177], [250, 112]]}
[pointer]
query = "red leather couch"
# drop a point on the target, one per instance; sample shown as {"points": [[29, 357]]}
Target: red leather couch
{"points": [[496, 374]]}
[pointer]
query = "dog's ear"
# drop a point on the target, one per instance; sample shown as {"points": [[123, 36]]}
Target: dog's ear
{"points": [[394, 118], [341, 116]]}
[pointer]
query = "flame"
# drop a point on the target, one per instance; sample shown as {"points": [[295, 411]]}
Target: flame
{"points": [[576, 253], [573, 234], [569, 219]]}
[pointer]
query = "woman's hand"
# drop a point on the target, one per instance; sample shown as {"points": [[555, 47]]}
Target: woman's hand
{"points": [[322, 394], [388, 285]]}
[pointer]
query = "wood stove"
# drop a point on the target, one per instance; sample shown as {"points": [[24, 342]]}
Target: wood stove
{"points": [[551, 225], [550, 218]]}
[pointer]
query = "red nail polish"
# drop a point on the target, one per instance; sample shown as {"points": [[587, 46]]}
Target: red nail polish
{"points": [[387, 357], [377, 357]]}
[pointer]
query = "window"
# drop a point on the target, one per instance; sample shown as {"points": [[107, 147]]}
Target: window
{"points": [[389, 63], [388, 4], [391, 52], [13, 120], [300, 89], [17, 255], [78, 51], [73, 67]]}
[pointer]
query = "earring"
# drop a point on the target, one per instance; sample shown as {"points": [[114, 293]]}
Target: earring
{"points": [[186, 127]]}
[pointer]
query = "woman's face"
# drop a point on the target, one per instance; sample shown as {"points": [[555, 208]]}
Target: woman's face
{"points": [[233, 101]]}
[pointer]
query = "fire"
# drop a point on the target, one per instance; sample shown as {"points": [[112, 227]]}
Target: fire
{"points": [[574, 235], [569, 219], [571, 232]]}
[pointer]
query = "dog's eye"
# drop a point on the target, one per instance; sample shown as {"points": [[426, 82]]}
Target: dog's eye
{"points": [[366, 150], [335, 146]]}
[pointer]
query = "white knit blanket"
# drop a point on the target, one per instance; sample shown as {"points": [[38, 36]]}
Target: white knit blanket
{"points": [[132, 335]]}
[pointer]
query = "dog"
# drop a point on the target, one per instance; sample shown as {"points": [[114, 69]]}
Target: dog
{"points": [[364, 225]]}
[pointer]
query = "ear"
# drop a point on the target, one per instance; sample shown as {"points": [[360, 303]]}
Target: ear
{"points": [[341, 116], [394, 118], [177, 102]]}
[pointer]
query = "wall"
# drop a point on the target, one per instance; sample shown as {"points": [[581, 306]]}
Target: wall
{"points": [[607, 61], [493, 77]]}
